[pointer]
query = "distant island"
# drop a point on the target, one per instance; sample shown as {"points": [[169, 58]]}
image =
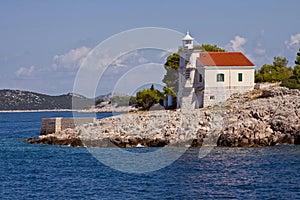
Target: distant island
{"points": [[25, 100]]}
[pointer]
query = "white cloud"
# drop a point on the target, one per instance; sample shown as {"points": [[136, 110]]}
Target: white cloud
{"points": [[23, 71], [259, 50], [237, 43], [294, 41], [71, 59]]}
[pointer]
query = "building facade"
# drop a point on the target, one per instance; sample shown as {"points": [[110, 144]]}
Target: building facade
{"points": [[208, 78]]}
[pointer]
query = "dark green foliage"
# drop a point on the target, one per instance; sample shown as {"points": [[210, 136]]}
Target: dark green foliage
{"points": [[173, 61], [297, 61], [152, 87], [171, 77], [98, 101], [169, 91], [291, 83], [210, 48], [294, 81], [278, 71], [148, 97]]}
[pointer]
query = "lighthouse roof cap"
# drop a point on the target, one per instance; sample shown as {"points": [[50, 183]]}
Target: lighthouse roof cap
{"points": [[188, 37]]}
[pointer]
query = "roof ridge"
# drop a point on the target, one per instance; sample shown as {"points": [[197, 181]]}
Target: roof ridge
{"points": [[222, 52]]}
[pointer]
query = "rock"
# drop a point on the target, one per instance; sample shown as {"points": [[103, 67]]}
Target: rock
{"points": [[279, 91], [246, 121]]}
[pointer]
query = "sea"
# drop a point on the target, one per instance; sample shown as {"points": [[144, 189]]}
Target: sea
{"points": [[31, 171]]}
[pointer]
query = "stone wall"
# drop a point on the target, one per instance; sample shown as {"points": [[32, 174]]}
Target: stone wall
{"points": [[53, 125], [214, 95]]}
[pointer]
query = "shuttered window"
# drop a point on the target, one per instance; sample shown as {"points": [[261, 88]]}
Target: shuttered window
{"points": [[220, 77], [240, 77]]}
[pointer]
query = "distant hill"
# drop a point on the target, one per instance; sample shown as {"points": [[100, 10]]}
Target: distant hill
{"points": [[25, 100]]}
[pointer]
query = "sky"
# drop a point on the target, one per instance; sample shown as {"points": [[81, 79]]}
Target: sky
{"points": [[43, 43]]}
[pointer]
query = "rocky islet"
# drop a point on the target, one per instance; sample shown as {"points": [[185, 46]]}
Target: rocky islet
{"points": [[265, 117]]}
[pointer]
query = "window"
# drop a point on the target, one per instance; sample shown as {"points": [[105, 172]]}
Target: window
{"points": [[220, 77], [240, 77], [187, 73], [212, 97], [200, 78]]}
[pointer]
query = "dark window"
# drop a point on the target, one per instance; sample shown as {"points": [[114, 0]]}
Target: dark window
{"points": [[220, 77], [240, 77], [212, 97], [200, 78], [187, 73]]}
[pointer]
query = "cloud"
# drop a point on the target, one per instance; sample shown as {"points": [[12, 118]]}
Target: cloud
{"points": [[294, 41], [237, 43], [26, 72], [259, 50], [71, 59]]}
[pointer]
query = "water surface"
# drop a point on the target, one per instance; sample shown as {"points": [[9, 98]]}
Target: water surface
{"points": [[30, 171]]}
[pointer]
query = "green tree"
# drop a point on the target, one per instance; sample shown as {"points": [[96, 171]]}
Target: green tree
{"points": [[171, 77], [98, 101], [278, 71], [297, 61], [173, 61], [210, 48], [168, 91], [147, 98], [296, 71], [293, 81]]}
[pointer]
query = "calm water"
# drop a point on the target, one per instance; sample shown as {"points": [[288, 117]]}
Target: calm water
{"points": [[58, 172]]}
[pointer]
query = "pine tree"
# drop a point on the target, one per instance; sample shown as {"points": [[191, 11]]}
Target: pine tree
{"points": [[297, 61]]}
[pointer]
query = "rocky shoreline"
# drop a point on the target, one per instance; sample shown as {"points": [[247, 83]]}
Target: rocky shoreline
{"points": [[265, 117]]}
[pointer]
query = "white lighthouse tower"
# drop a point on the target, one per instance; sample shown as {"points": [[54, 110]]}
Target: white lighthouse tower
{"points": [[188, 74]]}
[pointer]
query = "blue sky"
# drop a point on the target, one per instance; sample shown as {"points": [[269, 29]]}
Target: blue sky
{"points": [[43, 42]]}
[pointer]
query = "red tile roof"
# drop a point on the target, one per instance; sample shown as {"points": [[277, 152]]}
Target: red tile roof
{"points": [[224, 59]]}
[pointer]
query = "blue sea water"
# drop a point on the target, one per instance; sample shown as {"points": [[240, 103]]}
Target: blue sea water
{"points": [[29, 171]]}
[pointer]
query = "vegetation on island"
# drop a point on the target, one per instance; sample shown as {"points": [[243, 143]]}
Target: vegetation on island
{"points": [[278, 71], [146, 98], [210, 48]]}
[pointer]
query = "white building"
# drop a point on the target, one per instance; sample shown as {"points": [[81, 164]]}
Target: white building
{"points": [[207, 78]]}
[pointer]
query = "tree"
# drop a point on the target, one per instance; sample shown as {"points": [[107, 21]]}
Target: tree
{"points": [[297, 61], [293, 82], [152, 87], [296, 71], [173, 61], [148, 97], [278, 71], [98, 101], [211, 48], [171, 77]]}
